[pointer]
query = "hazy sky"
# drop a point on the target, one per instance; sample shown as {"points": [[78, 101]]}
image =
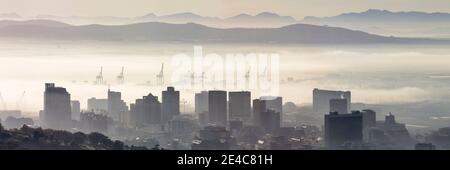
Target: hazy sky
{"points": [[219, 8]]}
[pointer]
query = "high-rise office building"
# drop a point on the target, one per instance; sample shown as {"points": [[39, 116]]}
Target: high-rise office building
{"points": [[75, 109], [146, 111], [201, 102], [217, 108], [339, 105], [239, 106], [270, 121], [266, 117], [201, 107], [57, 110], [117, 108], [259, 106], [274, 103], [170, 104], [343, 129], [321, 100], [369, 121]]}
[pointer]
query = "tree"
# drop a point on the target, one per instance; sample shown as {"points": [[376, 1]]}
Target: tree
{"points": [[97, 139], [118, 145], [79, 138], [156, 147]]}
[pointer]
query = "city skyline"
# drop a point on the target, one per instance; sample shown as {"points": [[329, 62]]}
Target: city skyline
{"points": [[225, 75], [344, 128]]}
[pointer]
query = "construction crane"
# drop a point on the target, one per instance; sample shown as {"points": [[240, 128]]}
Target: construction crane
{"points": [[99, 77], [120, 77], [160, 76]]}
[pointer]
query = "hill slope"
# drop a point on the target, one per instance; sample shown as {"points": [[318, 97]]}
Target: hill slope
{"points": [[195, 33]]}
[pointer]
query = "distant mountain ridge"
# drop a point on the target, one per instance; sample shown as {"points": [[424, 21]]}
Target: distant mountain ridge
{"points": [[384, 22], [386, 16], [263, 19], [196, 33]]}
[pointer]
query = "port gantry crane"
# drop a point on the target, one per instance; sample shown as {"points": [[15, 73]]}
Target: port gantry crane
{"points": [[120, 77], [160, 76], [99, 77]]}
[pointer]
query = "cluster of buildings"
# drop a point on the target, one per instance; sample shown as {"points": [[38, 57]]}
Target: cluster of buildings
{"points": [[346, 129], [232, 115], [12, 119], [223, 120]]}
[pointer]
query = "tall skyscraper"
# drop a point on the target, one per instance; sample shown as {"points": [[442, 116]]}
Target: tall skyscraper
{"points": [[259, 106], [75, 109], [57, 110], [270, 120], [239, 106], [339, 105], [201, 102], [217, 107], [342, 129], [274, 103], [201, 107], [369, 121], [266, 117], [146, 111], [321, 100], [170, 104], [117, 108]]}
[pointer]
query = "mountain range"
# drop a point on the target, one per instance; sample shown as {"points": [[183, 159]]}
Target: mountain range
{"points": [[384, 22], [375, 21], [195, 33], [264, 19]]}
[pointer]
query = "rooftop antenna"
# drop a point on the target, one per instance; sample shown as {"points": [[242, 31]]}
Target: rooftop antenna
{"points": [[120, 77]]}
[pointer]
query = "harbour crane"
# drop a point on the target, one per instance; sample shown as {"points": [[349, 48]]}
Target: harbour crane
{"points": [[99, 77], [120, 77], [160, 76]]}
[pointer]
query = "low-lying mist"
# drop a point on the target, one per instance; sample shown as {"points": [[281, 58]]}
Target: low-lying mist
{"points": [[375, 74]]}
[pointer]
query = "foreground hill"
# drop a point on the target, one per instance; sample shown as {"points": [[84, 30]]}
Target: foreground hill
{"points": [[27, 138]]}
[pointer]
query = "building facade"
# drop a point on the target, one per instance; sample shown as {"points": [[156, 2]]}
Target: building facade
{"points": [[170, 104], [57, 111], [217, 108]]}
